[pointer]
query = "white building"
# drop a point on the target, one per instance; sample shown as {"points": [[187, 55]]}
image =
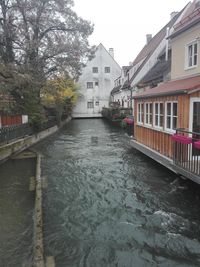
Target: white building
{"points": [[96, 83]]}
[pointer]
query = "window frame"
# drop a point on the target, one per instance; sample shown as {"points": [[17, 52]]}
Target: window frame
{"points": [[148, 115], [171, 116], [95, 70], [90, 106], [140, 113], [106, 69], [159, 115], [187, 56], [90, 87]]}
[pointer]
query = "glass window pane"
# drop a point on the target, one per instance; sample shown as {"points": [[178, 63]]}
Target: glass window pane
{"points": [[174, 109], [195, 48], [168, 122], [195, 59], [174, 123], [168, 108], [156, 120], [161, 109], [147, 108], [156, 108], [161, 121], [151, 108], [190, 50], [146, 121], [151, 119]]}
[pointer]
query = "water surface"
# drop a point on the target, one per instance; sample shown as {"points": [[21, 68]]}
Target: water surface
{"points": [[16, 213], [109, 205]]}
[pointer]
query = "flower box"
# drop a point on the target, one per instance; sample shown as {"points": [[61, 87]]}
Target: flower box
{"points": [[197, 144], [182, 139], [128, 121]]}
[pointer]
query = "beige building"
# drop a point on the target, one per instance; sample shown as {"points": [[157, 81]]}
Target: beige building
{"points": [[186, 52]]}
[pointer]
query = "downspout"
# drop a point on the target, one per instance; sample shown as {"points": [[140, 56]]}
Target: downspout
{"points": [[167, 44]]}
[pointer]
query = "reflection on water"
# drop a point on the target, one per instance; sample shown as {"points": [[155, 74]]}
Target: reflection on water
{"points": [[108, 205], [16, 213]]}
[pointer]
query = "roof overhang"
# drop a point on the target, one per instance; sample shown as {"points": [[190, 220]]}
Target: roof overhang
{"points": [[184, 28], [177, 87]]}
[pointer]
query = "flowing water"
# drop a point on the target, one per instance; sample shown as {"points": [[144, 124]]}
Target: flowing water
{"points": [[109, 205], [16, 213], [106, 205]]}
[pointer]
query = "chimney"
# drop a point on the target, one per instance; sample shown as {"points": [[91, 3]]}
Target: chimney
{"points": [[173, 14], [148, 38], [111, 52]]}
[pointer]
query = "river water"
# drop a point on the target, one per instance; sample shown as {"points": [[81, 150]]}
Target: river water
{"points": [[109, 205], [16, 213], [106, 204]]}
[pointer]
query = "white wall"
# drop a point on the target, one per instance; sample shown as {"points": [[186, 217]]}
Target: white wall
{"points": [[100, 93]]}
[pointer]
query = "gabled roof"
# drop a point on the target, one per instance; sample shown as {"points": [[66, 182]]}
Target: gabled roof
{"points": [[175, 87], [108, 53], [190, 18], [155, 41], [149, 48]]}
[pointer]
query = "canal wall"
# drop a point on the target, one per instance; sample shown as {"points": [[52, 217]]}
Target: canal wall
{"points": [[38, 221], [10, 149]]}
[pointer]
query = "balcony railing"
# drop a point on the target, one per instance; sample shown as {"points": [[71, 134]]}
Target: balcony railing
{"points": [[186, 151]]}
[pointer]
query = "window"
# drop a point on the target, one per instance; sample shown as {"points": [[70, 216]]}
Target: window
{"points": [[191, 55], [97, 103], [148, 113], [89, 84], [90, 104], [140, 110], [171, 116], [107, 69], [96, 83], [95, 70], [158, 115]]}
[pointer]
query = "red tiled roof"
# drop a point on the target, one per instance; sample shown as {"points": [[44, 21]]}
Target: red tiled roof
{"points": [[173, 87], [192, 14]]}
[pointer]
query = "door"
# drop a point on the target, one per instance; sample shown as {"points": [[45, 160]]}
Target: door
{"points": [[195, 122]]}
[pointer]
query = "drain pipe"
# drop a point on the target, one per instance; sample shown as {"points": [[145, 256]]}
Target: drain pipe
{"points": [[38, 222]]}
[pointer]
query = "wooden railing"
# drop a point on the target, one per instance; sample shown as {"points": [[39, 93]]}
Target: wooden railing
{"points": [[186, 150]]}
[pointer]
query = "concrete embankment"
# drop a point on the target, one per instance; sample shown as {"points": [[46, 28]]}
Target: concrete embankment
{"points": [[21, 144]]}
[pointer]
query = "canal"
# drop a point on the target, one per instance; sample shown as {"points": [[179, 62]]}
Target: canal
{"points": [[16, 213], [106, 204]]}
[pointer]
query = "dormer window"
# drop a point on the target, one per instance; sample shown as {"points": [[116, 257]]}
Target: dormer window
{"points": [[191, 55]]}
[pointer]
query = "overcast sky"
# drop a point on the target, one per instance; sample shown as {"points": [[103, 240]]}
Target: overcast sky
{"points": [[123, 24]]}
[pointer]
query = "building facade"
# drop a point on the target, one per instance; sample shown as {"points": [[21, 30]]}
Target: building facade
{"points": [[96, 83], [167, 117]]}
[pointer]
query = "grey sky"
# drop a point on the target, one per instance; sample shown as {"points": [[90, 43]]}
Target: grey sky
{"points": [[123, 25]]}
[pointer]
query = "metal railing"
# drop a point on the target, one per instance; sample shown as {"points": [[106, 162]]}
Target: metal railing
{"points": [[13, 132], [186, 150]]}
